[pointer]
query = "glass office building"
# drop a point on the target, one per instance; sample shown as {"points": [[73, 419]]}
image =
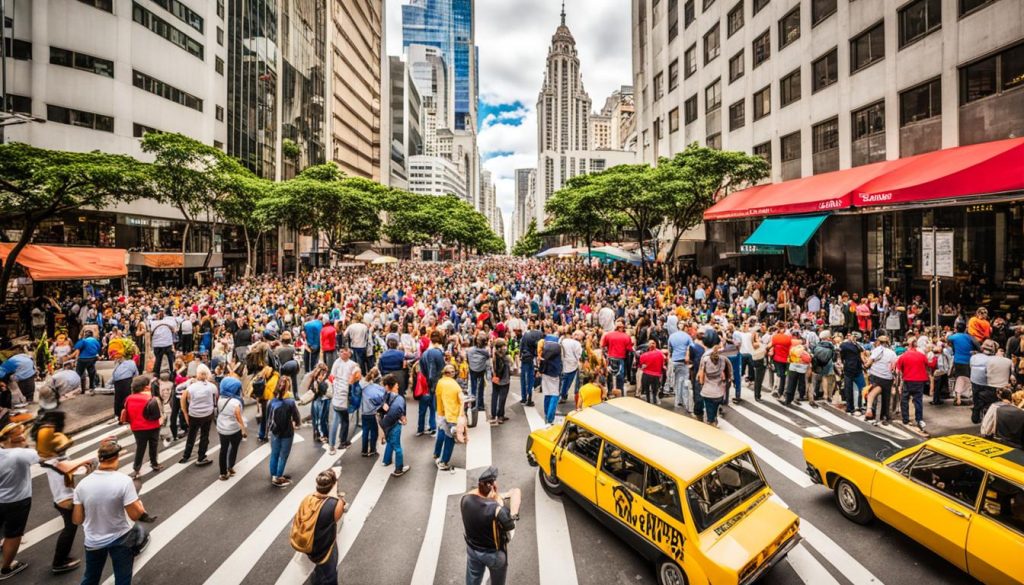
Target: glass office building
{"points": [[252, 84], [303, 60]]}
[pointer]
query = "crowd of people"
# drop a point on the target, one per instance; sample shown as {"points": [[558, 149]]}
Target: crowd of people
{"points": [[359, 345]]}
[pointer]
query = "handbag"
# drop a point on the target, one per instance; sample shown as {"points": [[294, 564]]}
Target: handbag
{"points": [[422, 387], [136, 539]]}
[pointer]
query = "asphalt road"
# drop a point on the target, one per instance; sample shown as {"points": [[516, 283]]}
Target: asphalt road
{"points": [[408, 529]]}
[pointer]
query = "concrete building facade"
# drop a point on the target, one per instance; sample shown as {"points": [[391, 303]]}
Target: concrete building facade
{"points": [[435, 175]]}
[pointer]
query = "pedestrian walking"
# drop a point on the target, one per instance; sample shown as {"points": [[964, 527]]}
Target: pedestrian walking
{"points": [[198, 403], [652, 366], [16, 461], [162, 330], [479, 357], [432, 365], [550, 370], [123, 375], [60, 474], [501, 368], [488, 523], [345, 372], [913, 369], [231, 426], [572, 352], [392, 418], [679, 343], [369, 403], [315, 527], [449, 409], [283, 418], [715, 376], [143, 413], [320, 408]]}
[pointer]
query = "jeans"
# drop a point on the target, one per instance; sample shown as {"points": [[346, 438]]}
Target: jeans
{"points": [[340, 420], [550, 407], [915, 391], [711, 408], [228, 451], [651, 385], [478, 561], [200, 425], [66, 538], [145, 439], [329, 356], [445, 443], [158, 355], [698, 400], [261, 406], [983, 398], [427, 412], [796, 384], [394, 446], [280, 447], [526, 380], [326, 573], [681, 372], [370, 434], [359, 356], [566, 382], [617, 369], [499, 393], [321, 413], [86, 370], [177, 418], [848, 394], [121, 558], [310, 357], [737, 373], [780, 372], [747, 363], [759, 371]]}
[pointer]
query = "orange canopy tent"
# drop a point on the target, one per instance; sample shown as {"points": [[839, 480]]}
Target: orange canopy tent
{"points": [[63, 263]]}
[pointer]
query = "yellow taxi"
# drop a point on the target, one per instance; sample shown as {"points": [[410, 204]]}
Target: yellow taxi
{"points": [[688, 497], [961, 496]]}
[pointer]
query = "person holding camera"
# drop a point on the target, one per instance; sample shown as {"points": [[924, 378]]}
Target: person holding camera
{"points": [[489, 522]]}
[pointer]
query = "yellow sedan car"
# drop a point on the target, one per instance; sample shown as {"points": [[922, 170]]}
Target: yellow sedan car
{"points": [[961, 496]]}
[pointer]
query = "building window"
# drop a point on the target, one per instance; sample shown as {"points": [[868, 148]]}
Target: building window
{"points": [[219, 112], [218, 145], [736, 67], [673, 74], [138, 130], [164, 29], [790, 146], [735, 19], [79, 118], [690, 61], [825, 136], [689, 13], [764, 150], [659, 86], [18, 103], [762, 48], [711, 44], [789, 89], [869, 120], [690, 109], [762, 103], [825, 70], [713, 96], [921, 102], [166, 91], [918, 19], [759, 5], [673, 19], [220, 36], [969, 6], [220, 9], [657, 134], [218, 65], [17, 49], [673, 120], [821, 9], [182, 12], [789, 28], [867, 47], [81, 61], [737, 115], [714, 141], [707, 4], [107, 5], [996, 74]]}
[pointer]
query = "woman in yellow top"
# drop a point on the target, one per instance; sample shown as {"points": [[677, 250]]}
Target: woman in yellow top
{"points": [[449, 409], [590, 393]]}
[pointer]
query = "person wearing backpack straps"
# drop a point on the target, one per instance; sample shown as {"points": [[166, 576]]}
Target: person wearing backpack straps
{"points": [[230, 424], [139, 410], [315, 528]]}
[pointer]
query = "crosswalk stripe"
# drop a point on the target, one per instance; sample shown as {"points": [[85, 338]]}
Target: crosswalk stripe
{"points": [[170, 528], [236, 567], [95, 430], [817, 431], [124, 438], [169, 473], [773, 428], [478, 449], [851, 426], [447, 484], [808, 567], [768, 456]]}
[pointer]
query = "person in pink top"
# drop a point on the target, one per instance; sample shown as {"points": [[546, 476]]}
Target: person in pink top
{"points": [[652, 366]]}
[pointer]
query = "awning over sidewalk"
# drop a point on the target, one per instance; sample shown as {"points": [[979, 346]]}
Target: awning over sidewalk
{"points": [[158, 260], [785, 231], [67, 263]]}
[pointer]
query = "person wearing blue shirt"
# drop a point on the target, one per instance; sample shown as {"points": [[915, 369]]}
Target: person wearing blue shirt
{"points": [[312, 329], [391, 424], [697, 350], [679, 349], [22, 369], [964, 345], [392, 361], [87, 350], [372, 398], [431, 365]]}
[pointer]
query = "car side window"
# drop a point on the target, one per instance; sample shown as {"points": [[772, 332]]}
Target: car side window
{"points": [[581, 442], [901, 464], [952, 477], [1003, 501], [662, 491], [624, 467]]}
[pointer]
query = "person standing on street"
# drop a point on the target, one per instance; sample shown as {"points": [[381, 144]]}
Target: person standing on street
{"points": [[881, 364], [778, 349], [488, 525], [851, 355], [22, 370], [136, 414], [478, 357], [372, 398], [392, 419], [198, 403], [449, 409], [329, 343], [715, 376], [679, 343], [230, 424], [550, 369], [652, 364], [87, 352], [16, 461], [617, 345], [431, 365], [344, 372], [501, 368], [572, 352], [283, 418], [323, 512], [106, 505], [162, 330], [913, 368], [59, 474], [528, 356], [963, 347], [311, 330], [124, 373], [358, 336]]}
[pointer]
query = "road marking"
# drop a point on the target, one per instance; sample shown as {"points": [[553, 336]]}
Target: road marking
{"points": [[808, 567], [768, 456], [848, 425], [773, 428], [817, 430], [170, 528], [95, 430], [167, 474], [478, 448], [123, 439], [447, 484]]}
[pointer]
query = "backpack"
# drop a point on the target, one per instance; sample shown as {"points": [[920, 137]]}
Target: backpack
{"points": [[304, 524], [822, 355], [153, 409]]}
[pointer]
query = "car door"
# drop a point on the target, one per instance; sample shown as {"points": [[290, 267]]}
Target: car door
{"points": [[931, 501], [995, 542], [575, 459]]}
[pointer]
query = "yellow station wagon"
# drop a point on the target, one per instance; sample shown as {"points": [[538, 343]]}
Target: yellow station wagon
{"points": [[961, 496], [688, 497]]}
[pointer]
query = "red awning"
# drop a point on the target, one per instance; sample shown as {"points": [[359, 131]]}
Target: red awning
{"points": [[964, 171], [979, 169], [64, 263]]}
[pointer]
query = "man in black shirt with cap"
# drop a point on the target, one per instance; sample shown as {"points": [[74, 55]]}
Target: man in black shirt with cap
{"points": [[489, 524]]}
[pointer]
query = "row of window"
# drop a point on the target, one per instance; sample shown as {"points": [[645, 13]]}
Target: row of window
{"points": [[62, 115], [107, 5], [182, 12], [166, 91], [82, 61], [165, 30]]}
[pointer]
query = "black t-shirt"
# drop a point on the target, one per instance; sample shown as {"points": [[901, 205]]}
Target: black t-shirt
{"points": [[325, 532], [849, 352], [485, 523]]}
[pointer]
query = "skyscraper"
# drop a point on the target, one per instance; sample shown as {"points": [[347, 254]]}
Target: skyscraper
{"points": [[430, 75], [252, 84]]}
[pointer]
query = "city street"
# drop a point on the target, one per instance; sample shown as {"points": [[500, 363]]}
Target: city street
{"points": [[408, 529]]}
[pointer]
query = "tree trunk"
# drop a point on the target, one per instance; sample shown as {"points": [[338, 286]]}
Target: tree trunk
{"points": [[8, 271], [248, 253]]}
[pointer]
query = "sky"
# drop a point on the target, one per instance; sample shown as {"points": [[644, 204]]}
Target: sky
{"points": [[514, 36]]}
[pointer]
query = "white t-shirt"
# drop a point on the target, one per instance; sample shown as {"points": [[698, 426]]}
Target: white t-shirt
{"points": [[104, 495], [163, 331], [16, 474], [342, 371], [745, 340], [201, 397], [227, 421], [882, 360], [59, 490], [572, 351]]}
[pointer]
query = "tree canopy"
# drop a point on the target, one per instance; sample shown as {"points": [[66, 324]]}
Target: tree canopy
{"points": [[529, 243]]}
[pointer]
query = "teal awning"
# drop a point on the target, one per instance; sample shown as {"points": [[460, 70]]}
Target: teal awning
{"points": [[785, 231]]}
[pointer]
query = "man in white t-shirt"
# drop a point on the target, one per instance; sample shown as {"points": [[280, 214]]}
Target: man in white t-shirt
{"points": [[107, 506], [162, 331], [344, 372], [572, 351], [15, 493], [880, 378]]}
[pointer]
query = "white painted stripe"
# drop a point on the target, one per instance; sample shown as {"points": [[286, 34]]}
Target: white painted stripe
{"points": [[802, 412], [109, 431], [236, 567], [167, 474], [125, 439], [478, 448], [826, 412], [446, 484], [817, 431], [773, 428], [99, 429], [808, 567], [170, 528], [768, 456]]}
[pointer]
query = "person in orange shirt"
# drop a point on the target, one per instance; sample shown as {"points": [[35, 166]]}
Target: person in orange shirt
{"points": [[978, 326]]}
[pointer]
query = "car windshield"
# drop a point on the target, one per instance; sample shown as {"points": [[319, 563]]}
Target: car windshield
{"points": [[717, 493]]}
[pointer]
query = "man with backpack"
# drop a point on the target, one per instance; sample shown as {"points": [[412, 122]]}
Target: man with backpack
{"points": [[489, 524], [315, 528], [391, 416], [823, 358]]}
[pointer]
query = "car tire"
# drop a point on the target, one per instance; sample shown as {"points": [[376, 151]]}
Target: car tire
{"points": [[550, 484], [669, 572], [851, 502]]}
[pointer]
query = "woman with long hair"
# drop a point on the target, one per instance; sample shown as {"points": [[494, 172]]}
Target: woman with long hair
{"points": [[283, 419], [146, 430]]}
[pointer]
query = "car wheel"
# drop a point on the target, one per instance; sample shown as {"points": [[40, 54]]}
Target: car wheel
{"points": [[670, 573], [852, 503], [550, 484]]}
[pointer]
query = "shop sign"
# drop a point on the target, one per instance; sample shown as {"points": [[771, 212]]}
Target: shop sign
{"points": [[146, 222], [764, 250], [937, 253]]}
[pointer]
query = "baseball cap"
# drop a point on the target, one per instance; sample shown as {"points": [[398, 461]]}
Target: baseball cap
{"points": [[488, 475]]}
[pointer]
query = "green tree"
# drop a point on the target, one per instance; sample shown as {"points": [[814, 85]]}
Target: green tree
{"points": [[633, 189], [38, 184], [581, 211], [412, 219], [243, 204], [529, 243]]}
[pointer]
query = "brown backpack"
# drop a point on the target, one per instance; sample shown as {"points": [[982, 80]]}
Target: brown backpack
{"points": [[304, 523]]}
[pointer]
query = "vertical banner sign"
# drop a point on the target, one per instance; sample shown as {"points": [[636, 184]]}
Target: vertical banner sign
{"points": [[927, 254], [944, 253]]}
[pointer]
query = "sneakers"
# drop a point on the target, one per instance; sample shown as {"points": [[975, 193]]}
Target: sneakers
{"points": [[21, 404], [920, 425], [66, 567], [183, 460], [231, 472], [280, 482], [333, 451], [15, 568], [203, 462], [445, 467], [223, 477], [400, 472]]}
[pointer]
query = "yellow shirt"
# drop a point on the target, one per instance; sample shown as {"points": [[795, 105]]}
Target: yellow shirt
{"points": [[590, 394], [449, 399]]}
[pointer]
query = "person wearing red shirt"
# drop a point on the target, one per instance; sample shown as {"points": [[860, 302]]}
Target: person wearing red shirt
{"points": [[616, 345], [913, 368], [146, 431], [652, 364], [329, 343], [779, 348]]}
